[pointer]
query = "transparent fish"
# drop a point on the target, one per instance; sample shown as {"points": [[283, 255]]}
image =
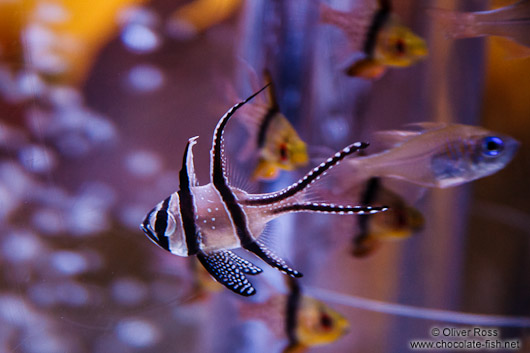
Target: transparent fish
{"points": [[199, 15], [378, 34], [400, 222], [276, 141], [210, 220], [306, 321], [511, 22], [439, 156]]}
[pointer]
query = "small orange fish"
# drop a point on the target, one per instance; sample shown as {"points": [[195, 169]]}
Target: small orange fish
{"points": [[378, 34], [278, 145], [400, 222], [511, 22], [305, 321]]}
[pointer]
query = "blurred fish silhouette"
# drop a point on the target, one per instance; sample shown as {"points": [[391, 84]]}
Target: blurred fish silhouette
{"points": [[511, 22], [400, 222], [277, 144], [305, 321], [208, 221], [199, 15], [439, 156], [60, 40], [373, 29]]}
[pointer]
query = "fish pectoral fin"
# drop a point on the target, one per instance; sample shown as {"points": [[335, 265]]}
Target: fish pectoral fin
{"points": [[364, 245], [367, 68], [261, 251], [229, 270]]}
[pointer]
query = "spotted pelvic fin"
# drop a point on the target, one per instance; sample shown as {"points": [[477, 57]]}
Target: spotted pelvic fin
{"points": [[229, 270], [261, 251]]}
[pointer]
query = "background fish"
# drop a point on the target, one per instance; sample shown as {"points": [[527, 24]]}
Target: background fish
{"points": [[209, 221], [378, 33], [440, 156], [399, 222], [199, 15], [273, 141], [511, 22], [305, 321]]}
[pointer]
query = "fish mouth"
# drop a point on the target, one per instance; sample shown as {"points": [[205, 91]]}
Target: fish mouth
{"points": [[147, 229]]}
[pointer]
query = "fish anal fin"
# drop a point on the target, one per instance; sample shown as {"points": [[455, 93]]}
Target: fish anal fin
{"points": [[261, 251], [367, 68], [229, 270]]}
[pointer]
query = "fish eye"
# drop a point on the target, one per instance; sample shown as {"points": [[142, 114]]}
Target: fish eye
{"points": [[283, 151], [492, 146], [400, 46], [326, 321], [163, 223]]}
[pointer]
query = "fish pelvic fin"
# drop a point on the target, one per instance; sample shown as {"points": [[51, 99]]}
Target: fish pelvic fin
{"points": [[369, 69], [273, 260], [229, 270]]}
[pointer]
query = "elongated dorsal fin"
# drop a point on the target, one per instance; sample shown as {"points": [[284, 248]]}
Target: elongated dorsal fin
{"points": [[229, 270], [187, 163], [217, 159]]}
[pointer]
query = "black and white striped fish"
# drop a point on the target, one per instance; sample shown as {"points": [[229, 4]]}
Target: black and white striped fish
{"points": [[210, 220]]}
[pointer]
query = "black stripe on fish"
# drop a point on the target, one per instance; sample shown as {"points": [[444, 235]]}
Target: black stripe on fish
{"points": [[291, 312], [161, 225], [380, 18], [187, 207], [236, 212], [368, 196], [264, 126], [307, 180], [229, 270], [328, 208]]}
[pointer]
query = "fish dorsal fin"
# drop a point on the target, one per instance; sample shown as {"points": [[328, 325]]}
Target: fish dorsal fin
{"points": [[187, 179], [217, 158], [271, 92], [187, 163], [393, 138], [229, 270], [425, 126]]}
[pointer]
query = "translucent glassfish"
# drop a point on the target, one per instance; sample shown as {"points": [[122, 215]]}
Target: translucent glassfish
{"points": [[278, 145], [378, 34], [511, 22], [439, 156], [305, 321], [209, 221]]}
